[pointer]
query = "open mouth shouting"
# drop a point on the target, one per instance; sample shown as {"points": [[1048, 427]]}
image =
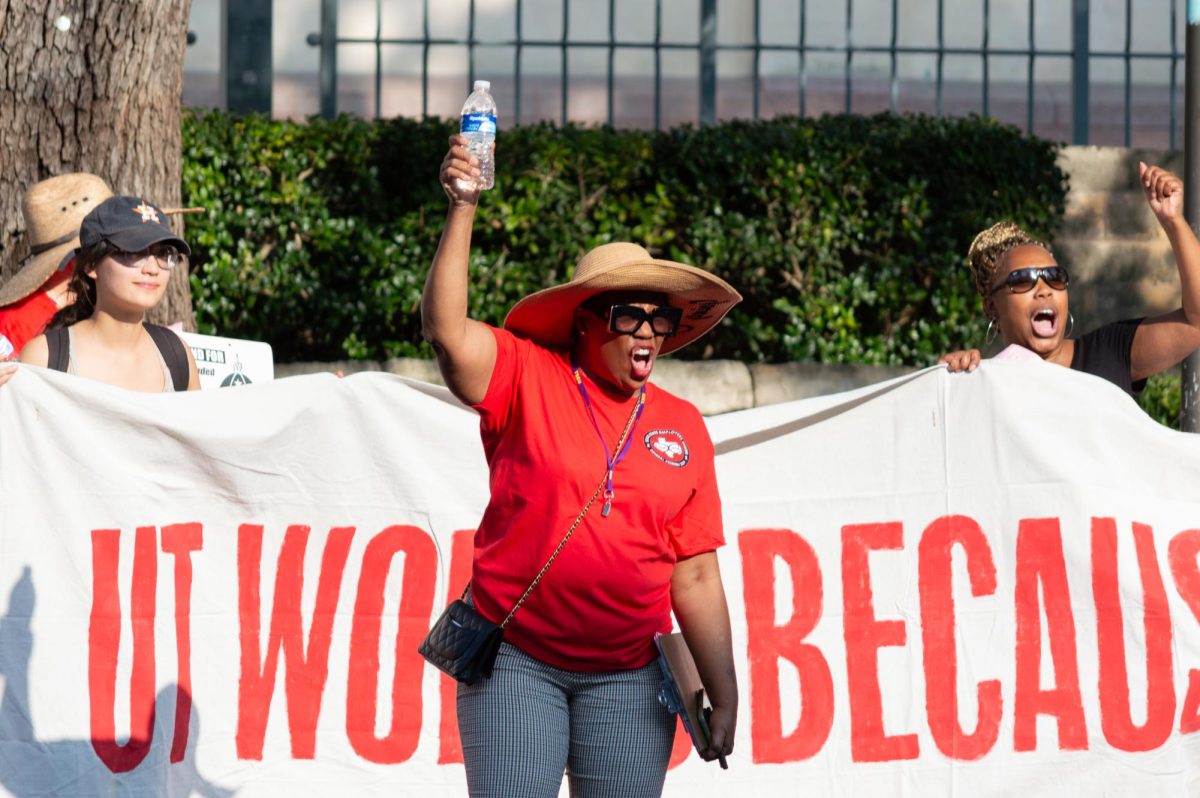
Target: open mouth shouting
{"points": [[641, 362], [1044, 321]]}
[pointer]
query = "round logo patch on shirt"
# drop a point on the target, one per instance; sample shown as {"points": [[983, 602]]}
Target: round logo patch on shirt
{"points": [[668, 445]]}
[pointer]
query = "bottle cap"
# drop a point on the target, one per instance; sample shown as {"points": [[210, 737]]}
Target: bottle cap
{"points": [[482, 85]]}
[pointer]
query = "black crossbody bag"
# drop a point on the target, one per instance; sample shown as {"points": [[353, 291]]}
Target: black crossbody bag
{"points": [[462, 643]]}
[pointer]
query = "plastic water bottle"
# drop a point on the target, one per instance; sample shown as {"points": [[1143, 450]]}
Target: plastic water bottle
{"points": [[479, 126]]}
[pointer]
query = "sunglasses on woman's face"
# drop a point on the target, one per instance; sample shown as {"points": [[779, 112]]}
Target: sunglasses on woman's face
{"points": [[166, 255], [628, 319], [1021, 281]]}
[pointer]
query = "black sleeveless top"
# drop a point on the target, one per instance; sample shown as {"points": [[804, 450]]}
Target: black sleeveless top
{"points": [[1108, 352]]}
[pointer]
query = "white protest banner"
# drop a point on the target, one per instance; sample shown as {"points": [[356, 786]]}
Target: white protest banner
{"points": [[951, 585]]}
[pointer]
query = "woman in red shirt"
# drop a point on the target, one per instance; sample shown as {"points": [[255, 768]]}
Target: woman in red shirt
{"points": [[575, 685]]}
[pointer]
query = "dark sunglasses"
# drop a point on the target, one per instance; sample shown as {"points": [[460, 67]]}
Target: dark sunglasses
{"points": [[168, 257], [628, 319], [1020, 281]]}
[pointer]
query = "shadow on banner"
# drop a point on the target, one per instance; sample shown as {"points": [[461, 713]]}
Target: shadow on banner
{"points": [[30, 766]]}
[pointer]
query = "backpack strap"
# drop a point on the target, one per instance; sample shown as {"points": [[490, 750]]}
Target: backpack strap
{"points": [[59, 344], [174, 355]]}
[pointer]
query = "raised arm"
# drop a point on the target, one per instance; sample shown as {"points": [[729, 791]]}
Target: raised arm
{"points": [[466, 350], [698, 600], [1163, 341]]}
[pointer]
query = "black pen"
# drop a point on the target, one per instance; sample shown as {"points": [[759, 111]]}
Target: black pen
{"points": [[720, 754]]}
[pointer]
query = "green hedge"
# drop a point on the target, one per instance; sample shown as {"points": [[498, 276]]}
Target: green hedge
{"points": [[1161, 398], [847, 235]]}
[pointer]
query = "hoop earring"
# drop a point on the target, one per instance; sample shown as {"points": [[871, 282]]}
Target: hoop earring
{"points": [[991, 333], [1070, 325]]}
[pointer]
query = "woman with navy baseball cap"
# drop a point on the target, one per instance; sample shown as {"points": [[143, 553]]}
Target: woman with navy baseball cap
{"points": [[125, 257]]}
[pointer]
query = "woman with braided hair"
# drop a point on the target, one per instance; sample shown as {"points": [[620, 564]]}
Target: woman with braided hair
{"points": [[1025, 297]]}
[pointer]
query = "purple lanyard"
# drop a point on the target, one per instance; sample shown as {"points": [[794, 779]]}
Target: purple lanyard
{"points": [[612, 462]]}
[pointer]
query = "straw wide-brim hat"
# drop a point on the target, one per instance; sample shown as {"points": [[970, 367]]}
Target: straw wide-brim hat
{"points": [[548, 316], [53, 210]]}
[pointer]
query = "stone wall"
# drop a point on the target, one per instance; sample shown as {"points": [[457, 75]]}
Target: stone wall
{"points": [[1118, 257], [714, 386]]}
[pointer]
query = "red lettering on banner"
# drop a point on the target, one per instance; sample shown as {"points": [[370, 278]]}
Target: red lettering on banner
{"points": [[1042, 607], [681, 748], [181, 540], [937, 634], [864, 637], [362, 686], [462, 552], [307, 669], [104, 643], [768, 642], [1040, 561], [1181, 554], [1119, 728]]}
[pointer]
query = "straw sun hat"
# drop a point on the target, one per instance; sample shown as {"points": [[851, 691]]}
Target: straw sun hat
{"points": [[547, 316], [53, 210]]}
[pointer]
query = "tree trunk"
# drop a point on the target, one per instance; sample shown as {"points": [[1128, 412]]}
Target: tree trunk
{"points": [[102, 96]]}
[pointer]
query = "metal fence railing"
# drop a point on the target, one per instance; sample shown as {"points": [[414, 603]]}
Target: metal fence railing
{"points": [[708, 46]]}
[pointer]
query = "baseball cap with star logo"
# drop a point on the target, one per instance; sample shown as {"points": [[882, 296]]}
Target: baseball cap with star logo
{"points": [[129, 223]]}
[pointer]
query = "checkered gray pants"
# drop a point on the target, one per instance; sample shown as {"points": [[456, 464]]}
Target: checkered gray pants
{"points": [[524, 726]]}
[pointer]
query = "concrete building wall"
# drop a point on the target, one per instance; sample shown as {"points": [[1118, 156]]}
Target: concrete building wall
{"points": [[828, 22], [870, 24], [1117, 254]]}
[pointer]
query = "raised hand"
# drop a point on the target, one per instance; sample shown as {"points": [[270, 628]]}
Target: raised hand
{"points": [[459, 173], [1164, 192]]}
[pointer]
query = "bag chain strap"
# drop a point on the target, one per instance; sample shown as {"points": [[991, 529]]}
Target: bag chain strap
{"points": [[578, 518]]}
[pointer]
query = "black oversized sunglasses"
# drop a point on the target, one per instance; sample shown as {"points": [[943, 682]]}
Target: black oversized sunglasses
{"points": [[1020, 281], [628, 319]]}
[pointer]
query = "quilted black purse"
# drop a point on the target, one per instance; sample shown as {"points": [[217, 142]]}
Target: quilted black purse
{"points": [[462, 643]]}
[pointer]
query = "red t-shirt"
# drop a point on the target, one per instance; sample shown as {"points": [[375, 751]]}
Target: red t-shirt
{"points": [[600, 603], [23, 321]]}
